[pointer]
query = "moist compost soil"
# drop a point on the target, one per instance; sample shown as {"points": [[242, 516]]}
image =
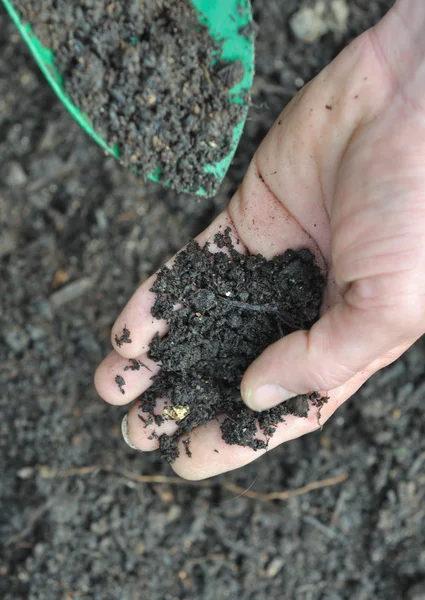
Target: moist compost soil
{"points": [[143, 72], [78, 233], [232, 306]]}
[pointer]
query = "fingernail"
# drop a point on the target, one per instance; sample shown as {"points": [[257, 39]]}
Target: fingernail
{"points": [[267, 396], [125, 435]]}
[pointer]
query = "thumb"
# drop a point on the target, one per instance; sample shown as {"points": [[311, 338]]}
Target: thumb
{"points": [[338, 346]]}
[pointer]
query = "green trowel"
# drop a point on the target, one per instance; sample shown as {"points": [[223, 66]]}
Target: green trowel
{"points": [[228, 22]]}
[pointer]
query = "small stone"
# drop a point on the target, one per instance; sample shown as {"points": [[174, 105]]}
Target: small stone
{"points": [[16, 338], [274, 567], [307, 25], [15, 174], [100, 527], [310, 23], [174, 513], [25, 473], [101, 219], [39, 550]]}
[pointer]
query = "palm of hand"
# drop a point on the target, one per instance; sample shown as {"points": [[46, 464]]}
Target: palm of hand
{"points": [[333, 175]]}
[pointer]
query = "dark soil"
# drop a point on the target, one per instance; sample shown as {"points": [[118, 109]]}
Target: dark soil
{"points": [[144, 74], [77, 235], [231, 308]]}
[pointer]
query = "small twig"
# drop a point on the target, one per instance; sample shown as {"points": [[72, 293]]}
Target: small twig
{"points": [[127, 474], [204, 559], [287, 494], [231, 487], [264, 308], [83, 471]]}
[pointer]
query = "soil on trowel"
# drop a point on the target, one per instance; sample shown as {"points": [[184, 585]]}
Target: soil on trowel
{"points": [[150, 78], [231, 306]]}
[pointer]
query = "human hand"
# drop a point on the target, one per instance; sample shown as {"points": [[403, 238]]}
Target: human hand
{"points": [[342, 172]]}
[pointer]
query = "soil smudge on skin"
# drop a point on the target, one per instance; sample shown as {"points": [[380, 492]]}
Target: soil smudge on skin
{"points": [[232, 307], [143, 72], [120, 381], [124, 338], [136, 365]]}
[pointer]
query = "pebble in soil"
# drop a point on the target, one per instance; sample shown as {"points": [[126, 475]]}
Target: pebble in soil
{"points": [[143, 72], [231, 307]]}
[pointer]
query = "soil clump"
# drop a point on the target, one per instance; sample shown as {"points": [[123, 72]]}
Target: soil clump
{"points": [[150, 78], [231, 307]]}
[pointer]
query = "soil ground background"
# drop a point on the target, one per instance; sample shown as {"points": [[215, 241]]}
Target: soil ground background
{"points": [[78, 233]]}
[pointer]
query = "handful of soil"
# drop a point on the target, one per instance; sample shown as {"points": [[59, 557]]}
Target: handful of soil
{"points": [[142, 70], [231, 307]]}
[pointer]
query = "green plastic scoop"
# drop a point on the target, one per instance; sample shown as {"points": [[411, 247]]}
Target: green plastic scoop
{"points": [[228, 22]]}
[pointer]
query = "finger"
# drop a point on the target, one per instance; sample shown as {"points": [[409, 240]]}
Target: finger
{"points": [[342, 343], [211, 455], [136, 319], [141, 432], [119, 380]]}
